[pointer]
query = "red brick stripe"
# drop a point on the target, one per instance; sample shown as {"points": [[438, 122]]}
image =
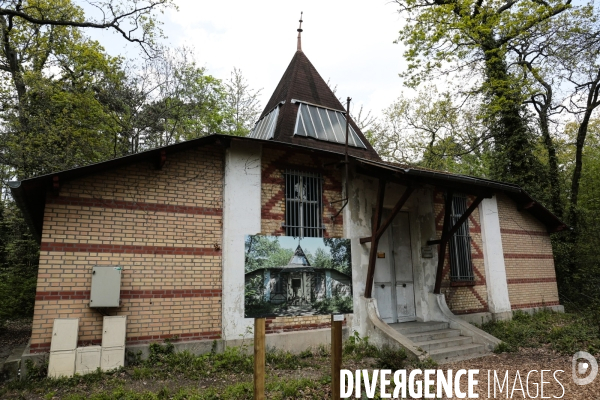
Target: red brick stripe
{"points": [[532, 305], [132, 294], [134, 205], [529, 256], [182, 337], [530, 280], [130, 249], [523, 232]]}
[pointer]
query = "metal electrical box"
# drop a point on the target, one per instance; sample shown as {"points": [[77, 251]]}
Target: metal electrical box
{"points": [[106, 286], [88, 359]]}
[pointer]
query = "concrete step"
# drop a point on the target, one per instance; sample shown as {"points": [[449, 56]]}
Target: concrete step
{"points": [[444, 343], [10, 368], [449, 353], [433, 335], [407, 328]]}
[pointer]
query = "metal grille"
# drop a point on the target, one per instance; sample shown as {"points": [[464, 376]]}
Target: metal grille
{"points": [[303, 204], [461, 268]]}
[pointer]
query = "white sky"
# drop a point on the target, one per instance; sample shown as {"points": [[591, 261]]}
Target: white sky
{"points": [[349, 42]]}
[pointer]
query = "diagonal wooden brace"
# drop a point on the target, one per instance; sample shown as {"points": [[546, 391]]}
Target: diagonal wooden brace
{"points": [[447, 234]]}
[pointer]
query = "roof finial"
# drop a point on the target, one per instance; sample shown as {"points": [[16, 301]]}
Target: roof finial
{"points": [[300, 33]]}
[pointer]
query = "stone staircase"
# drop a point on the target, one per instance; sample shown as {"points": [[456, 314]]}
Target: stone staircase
{"points": [[441, 343]]}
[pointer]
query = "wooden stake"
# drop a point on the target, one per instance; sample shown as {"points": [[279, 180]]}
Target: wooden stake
{"points": [[336, 357], [259, 359]]}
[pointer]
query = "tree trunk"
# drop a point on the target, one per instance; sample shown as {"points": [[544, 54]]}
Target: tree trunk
{"points": [[514, 160]]}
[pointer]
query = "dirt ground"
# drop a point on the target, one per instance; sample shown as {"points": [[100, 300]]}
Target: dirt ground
{"points": [[556, 384], [15, 333]]}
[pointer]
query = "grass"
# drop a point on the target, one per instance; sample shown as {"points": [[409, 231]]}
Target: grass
{"points": [[167, 374], [563, 332]]}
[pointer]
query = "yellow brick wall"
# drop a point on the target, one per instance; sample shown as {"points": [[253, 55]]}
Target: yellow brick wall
{"points": [[274, 164], [163, 227], [528, 257]]}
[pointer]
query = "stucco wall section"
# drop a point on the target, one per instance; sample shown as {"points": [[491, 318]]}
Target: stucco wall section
{"points": [[162, 226], [274, 163], [463, 299], [528, 257]]}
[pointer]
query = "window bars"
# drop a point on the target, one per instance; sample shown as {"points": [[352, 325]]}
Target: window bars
{"points": [[461, 268], [303, 204]]}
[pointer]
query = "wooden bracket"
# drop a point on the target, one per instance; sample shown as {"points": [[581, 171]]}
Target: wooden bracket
{"points": [[55, 185], [162, 159], [374, 240], [447, 234], [526, 206]]}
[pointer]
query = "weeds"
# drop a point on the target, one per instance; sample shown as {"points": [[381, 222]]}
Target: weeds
{"points": [[390, 358], [565, 333], [357, 347]]}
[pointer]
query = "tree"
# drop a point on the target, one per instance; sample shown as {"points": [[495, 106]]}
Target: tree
{"points": [[453, 37], [434, 131], [242, 103]]}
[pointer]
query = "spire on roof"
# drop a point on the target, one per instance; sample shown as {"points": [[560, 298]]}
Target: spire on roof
{"points": [[300, 33]]}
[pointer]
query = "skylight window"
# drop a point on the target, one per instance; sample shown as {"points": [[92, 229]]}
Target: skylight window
{"points": [[324, 124], [265, 127]]}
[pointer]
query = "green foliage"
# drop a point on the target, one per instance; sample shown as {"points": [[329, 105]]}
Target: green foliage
{"points": [[357, 347], [19, 254], [278, 359], [391, 358], [337, 304], [265, 252], [565, 333]]}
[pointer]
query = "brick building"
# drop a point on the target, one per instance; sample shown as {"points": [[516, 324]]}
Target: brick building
{"points": [[174, 219]]}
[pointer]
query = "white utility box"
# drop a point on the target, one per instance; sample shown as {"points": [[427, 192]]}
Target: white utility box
{"points": [[64, 334], [88, 359], [62, 363], [113, 331], [106, 286], [112, 357]]}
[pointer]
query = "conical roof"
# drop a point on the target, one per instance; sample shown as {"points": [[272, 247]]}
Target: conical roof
{"points": [[302, 84], [299, 258]]}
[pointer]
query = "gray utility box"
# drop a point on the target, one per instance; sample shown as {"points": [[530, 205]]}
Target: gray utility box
{"points": [[106, 286]]}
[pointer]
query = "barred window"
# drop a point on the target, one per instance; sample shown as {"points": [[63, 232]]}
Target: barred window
{"points": [[303, 204], [461, 268]]}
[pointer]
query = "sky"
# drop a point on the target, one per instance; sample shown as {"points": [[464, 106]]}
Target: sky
{"points": [[349, 42]]}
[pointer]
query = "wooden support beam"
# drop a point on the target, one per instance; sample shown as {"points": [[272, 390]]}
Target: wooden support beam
{"points": [[162, 159], [55, 185], [391, 217], [447, 234], [374, 240], [432, 242], [395, 211], [526, 206], [336, 357], [443, 242], [464, 217], [259, 359]]}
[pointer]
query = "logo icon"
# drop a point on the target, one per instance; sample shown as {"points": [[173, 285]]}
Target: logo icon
{"points": [[590, 365]]}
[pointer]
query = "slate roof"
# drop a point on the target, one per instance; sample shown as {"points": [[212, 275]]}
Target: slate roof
{"points": [[301, 81]]}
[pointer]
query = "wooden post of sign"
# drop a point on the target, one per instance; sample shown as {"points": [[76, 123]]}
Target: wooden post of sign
{"points": [[259, 359], [336, 354]]}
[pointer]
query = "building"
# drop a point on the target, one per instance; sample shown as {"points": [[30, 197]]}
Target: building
{"points": [[427, 246]]}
